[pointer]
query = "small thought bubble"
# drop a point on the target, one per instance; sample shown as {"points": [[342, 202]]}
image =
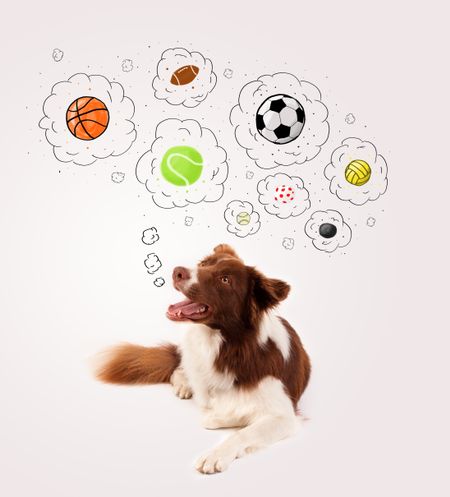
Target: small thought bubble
{"points": [[288, 243], [328, 230], [159, 282], [242, 220], [57, 55], [371, 221], [228, 73], [152, 263], [350, 118], [188, 221], [117, 177], [127, 65], [150, 236]]}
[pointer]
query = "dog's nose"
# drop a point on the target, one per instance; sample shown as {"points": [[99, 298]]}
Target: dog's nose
{"points": [[180, 274]]}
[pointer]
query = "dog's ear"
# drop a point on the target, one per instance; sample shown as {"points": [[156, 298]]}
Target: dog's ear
{"points": [[268, 292], [223, 248]]}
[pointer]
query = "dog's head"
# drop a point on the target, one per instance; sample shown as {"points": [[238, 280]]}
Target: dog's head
{"points": [[223, 292]]}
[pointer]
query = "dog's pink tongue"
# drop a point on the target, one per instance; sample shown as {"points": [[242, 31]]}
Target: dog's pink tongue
{"points": [[185, 308]]}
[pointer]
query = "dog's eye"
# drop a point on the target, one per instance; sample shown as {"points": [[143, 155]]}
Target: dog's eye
{"points": [[225, 279]]}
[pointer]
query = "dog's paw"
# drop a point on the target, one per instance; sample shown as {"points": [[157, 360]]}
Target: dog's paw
{"points": [[215, 461], [180, 385], [182, 391]]}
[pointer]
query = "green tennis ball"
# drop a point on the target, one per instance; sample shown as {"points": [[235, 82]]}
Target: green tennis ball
{"points": [[182, 166], [243, 218]]}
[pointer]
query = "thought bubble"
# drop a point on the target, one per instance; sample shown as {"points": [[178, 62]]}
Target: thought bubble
{"points": [[357, 173], [75, 112], [350, 118], [127, 65], [185, 165], [159, 282], [371, 222], [150, 236], [242, 220], [152, 263], [183, 77], [117, 177], [288, 243], [328, 230], [57, 55], [296, 101], [283, 196]]}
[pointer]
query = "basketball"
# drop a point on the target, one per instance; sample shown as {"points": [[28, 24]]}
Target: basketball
{"points": [[182, 165], [358, 172], [243, 218], [87, 118], [184, 75]]}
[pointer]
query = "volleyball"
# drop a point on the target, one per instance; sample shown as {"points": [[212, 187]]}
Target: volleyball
{"points": [[182, 165], [358, 172], [87, 118]]}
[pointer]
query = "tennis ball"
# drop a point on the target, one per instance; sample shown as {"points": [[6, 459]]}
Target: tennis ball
{"points": [[358, 172], [182, 165], [243, 218]]}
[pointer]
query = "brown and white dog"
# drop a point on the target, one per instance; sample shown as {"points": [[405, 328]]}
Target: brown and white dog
{"points": [[244, 366]]}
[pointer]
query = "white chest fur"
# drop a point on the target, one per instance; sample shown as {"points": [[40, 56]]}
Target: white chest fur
{"points": [[199, 351]]}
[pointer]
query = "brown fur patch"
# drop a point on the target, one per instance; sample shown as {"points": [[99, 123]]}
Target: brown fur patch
{"points": [[250, 362], [223, 248], [134, 364]]}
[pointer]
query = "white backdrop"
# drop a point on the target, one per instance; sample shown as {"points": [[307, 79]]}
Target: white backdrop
{"points": [[73, 281]]}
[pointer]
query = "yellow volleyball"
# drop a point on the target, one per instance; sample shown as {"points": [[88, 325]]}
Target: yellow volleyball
{"points": [[358, 172]]}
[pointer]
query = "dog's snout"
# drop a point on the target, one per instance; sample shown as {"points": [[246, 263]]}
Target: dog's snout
{"points": [[180, 274]]}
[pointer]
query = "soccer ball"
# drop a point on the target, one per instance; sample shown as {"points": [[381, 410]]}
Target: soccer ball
{"points": [[280, 119]]}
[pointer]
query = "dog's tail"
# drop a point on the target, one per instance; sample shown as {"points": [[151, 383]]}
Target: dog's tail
{"points": [[129, 364]]}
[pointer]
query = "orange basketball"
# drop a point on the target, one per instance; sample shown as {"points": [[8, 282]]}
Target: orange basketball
{"points": [[87, 118]]}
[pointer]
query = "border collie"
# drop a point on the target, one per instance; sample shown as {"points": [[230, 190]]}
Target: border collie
{"points": [[245, 366]]}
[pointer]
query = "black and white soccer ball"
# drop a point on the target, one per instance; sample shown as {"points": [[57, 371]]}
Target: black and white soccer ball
{"points": [[280, 119]]}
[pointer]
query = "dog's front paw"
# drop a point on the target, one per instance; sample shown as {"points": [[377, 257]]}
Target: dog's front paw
{"points": [[215, 461], [182, 391], [180, 384]]}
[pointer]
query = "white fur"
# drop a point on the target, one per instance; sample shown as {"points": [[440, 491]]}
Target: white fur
{"points": [[193, 279], [180, 384], [273, 328], [199, 351], [265, 413]]}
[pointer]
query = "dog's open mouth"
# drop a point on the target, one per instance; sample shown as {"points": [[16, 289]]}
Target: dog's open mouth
{"points": [[187, 310]]}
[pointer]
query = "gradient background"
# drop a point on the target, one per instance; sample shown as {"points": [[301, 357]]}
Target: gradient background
{"points": [[373, 317]]}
